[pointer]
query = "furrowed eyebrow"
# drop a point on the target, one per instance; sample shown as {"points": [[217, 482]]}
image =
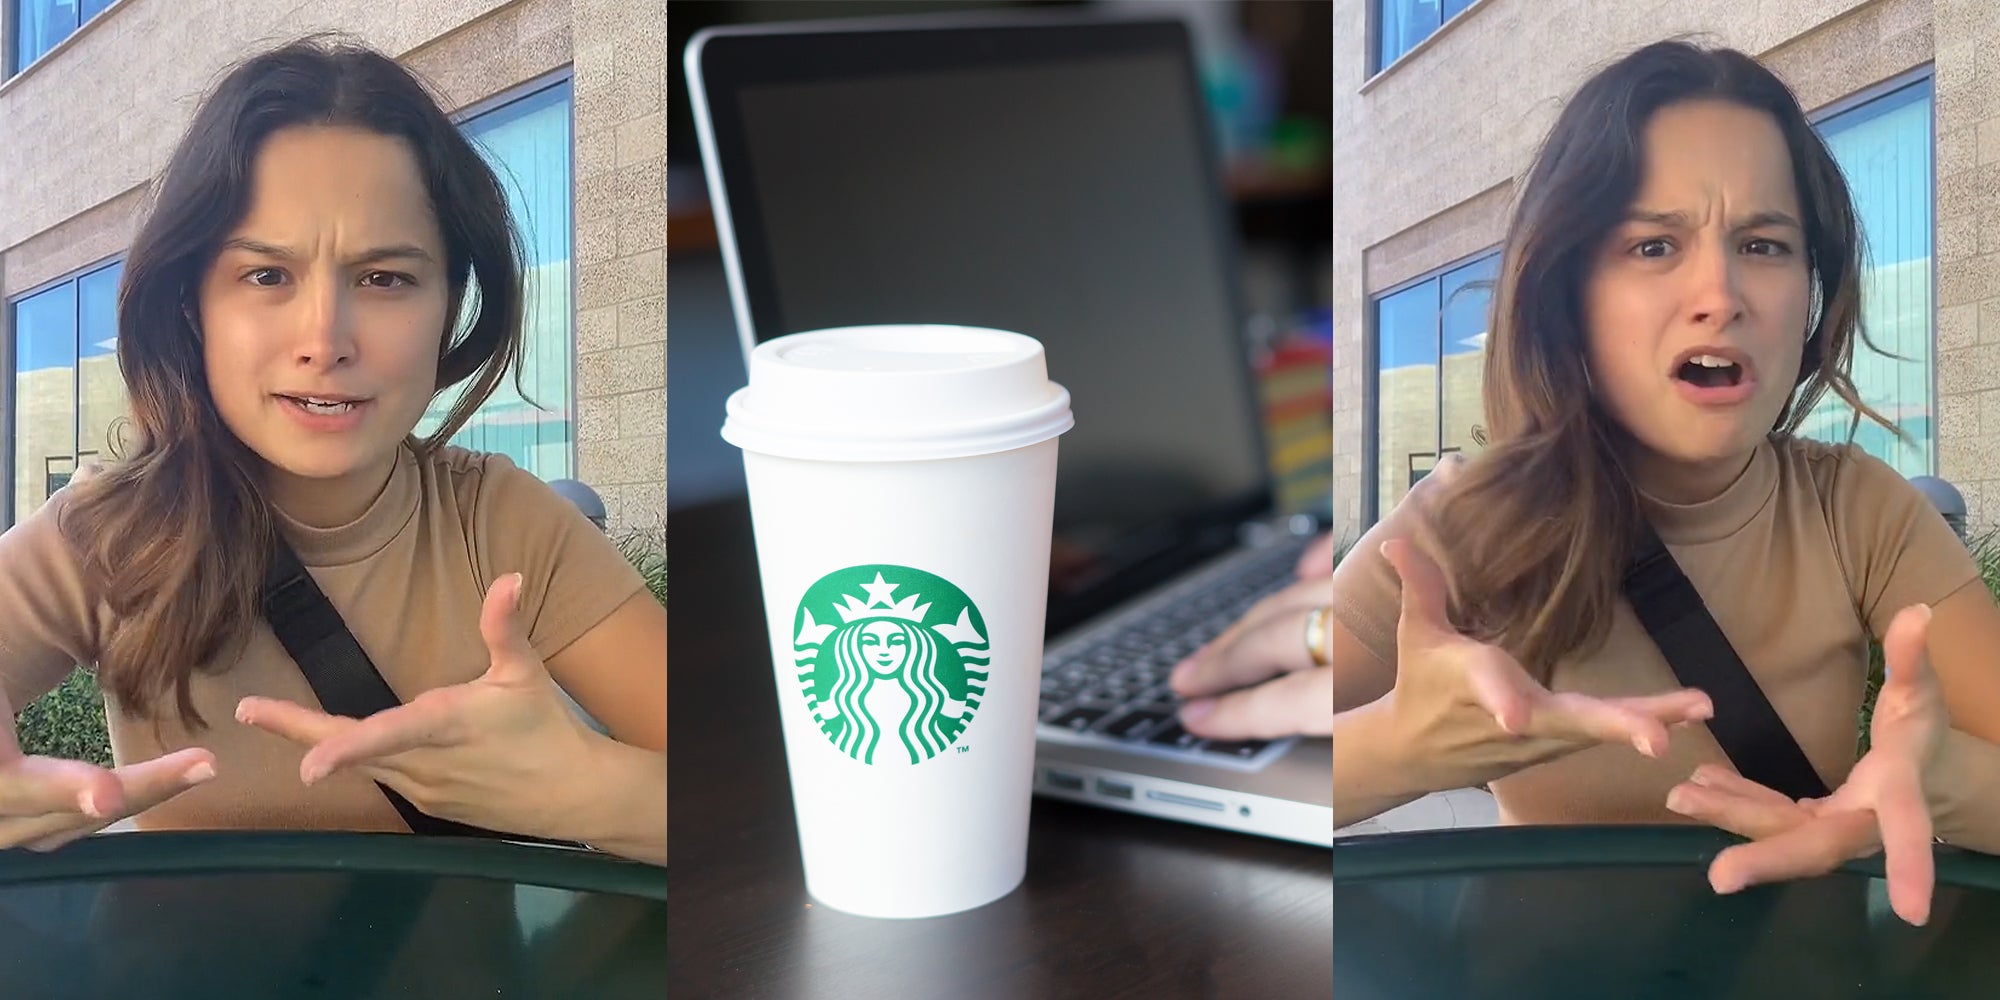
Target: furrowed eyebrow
{"points": [[374, 255], [1680, 220]]}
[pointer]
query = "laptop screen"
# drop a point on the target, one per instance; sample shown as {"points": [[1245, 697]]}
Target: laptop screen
{"points": [[1064, 191]]}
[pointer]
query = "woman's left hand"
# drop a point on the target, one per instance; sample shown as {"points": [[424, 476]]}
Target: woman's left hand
{"points": [[497, 752], [1881, 806]]}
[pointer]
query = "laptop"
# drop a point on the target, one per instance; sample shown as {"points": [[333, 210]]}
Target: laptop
{"points": [[1053, 177]]}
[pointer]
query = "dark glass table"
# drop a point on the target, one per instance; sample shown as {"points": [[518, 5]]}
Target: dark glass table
{"points": [[168, 916], [1573, 912]]}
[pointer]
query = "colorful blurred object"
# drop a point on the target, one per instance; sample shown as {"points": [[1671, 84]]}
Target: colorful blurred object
{"points": [[1295, 387]]}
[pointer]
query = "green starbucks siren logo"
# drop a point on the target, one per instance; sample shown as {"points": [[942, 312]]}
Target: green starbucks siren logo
{"points": [[890, 653]]}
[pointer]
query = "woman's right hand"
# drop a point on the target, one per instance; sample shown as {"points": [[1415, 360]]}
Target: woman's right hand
{"points": [[46, 802], [1462, 706]]}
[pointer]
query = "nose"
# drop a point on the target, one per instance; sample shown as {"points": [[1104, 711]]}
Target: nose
{"points": [[325, 337], [1715, 297]]}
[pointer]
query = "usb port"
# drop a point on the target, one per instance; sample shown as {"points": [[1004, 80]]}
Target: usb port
{"points": [[1064, 781], [1114, 789]]}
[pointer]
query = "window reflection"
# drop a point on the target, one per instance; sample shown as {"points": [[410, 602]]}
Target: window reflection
{"points": [[1407, 391], [101, 398], [1884, 148], [1401, 24], [1467, 294], [528, 144], [1431, 366], [44, 395]]}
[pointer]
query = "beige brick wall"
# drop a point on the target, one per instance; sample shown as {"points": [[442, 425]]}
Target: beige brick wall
{"points": [[621, 253], [1968, 251], [1427, 152]]}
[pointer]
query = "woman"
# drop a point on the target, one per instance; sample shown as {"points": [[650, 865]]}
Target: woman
{"points": [[1680, 285], [325, 256]]}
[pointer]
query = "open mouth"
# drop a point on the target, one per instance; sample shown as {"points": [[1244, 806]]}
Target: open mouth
{"points": [[1709, 371]]}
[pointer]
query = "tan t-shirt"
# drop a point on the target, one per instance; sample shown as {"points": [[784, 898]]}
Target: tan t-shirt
{"points": [[1812, 550], [408, 577]]}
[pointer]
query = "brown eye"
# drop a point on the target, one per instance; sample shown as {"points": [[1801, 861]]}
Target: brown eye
{"points": [[1654, 248], [387, 279], [1768, 248], [265, 277]]}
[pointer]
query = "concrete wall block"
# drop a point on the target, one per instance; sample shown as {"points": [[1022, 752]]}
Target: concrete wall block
{"points": [[642, 139], [622, 370], [1963, 18], [1989, 321], [624, 460], [1966, 188], [596, 153], [643, 227], [1972, 369], [642, 414], [642, 321], [1960, 416], [596, 423], [596, 330], [1958, 327], [1988, 410], [1989, 142], [595, 232]]}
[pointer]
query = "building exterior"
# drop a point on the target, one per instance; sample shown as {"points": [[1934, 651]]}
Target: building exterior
{"points": [[565, 97], [1439, 106]]}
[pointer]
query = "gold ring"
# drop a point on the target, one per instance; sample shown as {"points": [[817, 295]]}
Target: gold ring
{"points": [[1316, 646]]}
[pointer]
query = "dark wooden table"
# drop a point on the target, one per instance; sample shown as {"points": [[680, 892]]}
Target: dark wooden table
{"points": [[1113, 906]]}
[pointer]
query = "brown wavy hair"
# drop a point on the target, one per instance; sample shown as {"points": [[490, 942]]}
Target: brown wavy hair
{"points": [[1543, 523], [174, 535]]}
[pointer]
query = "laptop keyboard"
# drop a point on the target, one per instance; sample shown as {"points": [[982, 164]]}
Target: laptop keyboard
{"points": [[1112, 689]]}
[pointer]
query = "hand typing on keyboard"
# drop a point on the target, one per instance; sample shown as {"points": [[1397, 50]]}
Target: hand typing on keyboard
{"points": [[1258, 680]]}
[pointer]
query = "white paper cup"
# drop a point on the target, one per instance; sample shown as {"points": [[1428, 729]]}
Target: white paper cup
{"points": [[902, 487]]}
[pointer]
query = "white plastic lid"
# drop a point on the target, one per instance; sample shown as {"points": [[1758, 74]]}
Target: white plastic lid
{"points": [[896, 393]]}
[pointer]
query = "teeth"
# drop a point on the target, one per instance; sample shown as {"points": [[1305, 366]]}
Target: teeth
{"points": [[1711, 361], [325, 405]]}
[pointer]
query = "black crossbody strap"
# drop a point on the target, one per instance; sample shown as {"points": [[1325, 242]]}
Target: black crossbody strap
{"points": [[339, 670], [1746, 725]]}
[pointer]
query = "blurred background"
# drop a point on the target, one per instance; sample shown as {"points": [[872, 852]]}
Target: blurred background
{"points": [[1258, 60]]}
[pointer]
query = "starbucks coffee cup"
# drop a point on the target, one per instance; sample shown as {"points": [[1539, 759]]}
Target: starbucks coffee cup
{"points": [[902, 488]]}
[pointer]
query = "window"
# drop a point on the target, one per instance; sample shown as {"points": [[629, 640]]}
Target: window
{"points": [[1884, 148], [1430, 359], [41, 25], [527, 141], [68, 395], [1401, 24]]}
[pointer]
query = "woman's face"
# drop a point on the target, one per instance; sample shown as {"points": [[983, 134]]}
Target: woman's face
{"points": [[884, 646], [1696, 307], [322, 317]]}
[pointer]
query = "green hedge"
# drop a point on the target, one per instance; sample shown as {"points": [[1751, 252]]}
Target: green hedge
{"points": [[68, 722]]}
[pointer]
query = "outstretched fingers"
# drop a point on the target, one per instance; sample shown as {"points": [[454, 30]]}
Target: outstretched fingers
{"points": [[425, 722], [1811, 848]]}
